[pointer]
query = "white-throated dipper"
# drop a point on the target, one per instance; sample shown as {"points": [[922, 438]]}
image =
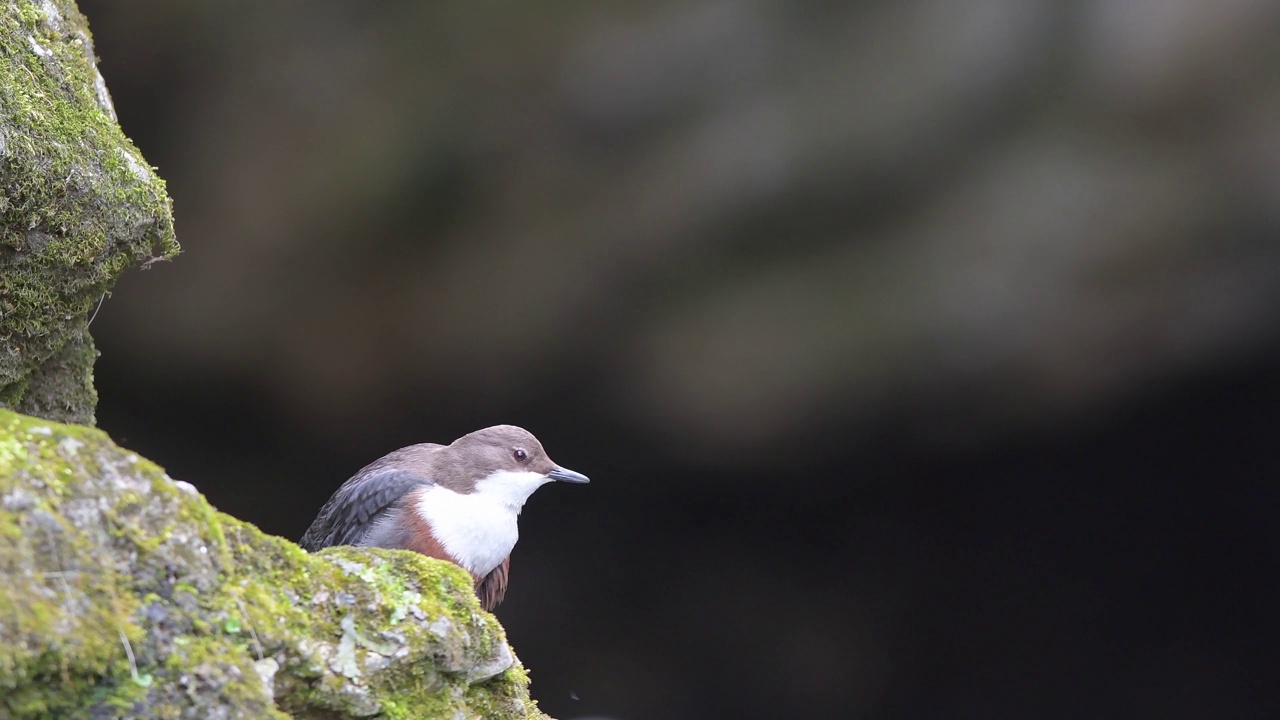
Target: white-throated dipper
{"points": [[456, 502]]}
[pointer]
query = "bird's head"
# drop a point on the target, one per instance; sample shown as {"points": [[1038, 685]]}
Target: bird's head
{"points": [[507, 462]]}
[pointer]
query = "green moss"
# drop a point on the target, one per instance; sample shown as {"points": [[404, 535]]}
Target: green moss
{"points": [[132, 596], [79, 206], [61, 388]]}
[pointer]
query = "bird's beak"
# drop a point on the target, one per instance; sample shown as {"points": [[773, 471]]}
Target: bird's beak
{"points": [[569, 476]]}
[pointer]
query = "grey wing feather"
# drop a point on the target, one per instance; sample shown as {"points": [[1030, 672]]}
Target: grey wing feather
{"points": [[356, 507]]}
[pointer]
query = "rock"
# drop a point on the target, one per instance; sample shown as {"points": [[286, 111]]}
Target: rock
{"points": [[126, 595], [79, 207]]}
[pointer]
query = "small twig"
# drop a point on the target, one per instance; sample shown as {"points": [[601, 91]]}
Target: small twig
{"points": [[248, 621], [95, 310], [128, 651]]}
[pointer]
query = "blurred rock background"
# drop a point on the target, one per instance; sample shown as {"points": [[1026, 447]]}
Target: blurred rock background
{"points": [[923, 353]]}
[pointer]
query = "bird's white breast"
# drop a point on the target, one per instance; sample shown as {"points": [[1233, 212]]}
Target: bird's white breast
{"points": [[479, 528]]}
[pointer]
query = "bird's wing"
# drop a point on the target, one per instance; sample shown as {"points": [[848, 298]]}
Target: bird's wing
{"points": [[493, 587], [358, 505]]}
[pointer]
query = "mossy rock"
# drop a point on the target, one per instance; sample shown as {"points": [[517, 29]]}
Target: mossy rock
{"points": [[79, 207], [125, 594]]}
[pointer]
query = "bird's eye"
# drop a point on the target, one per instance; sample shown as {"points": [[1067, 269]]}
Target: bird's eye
{"points": [[520, 455]]}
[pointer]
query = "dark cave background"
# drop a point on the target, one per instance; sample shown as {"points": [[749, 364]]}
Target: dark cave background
{"points": [[923, 355]]}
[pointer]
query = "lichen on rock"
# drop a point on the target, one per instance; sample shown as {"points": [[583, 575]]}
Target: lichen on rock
{"points": [[79, 207], [125, 594]]}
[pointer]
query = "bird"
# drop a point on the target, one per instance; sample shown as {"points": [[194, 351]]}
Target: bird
{"points": [[457, 502]]}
